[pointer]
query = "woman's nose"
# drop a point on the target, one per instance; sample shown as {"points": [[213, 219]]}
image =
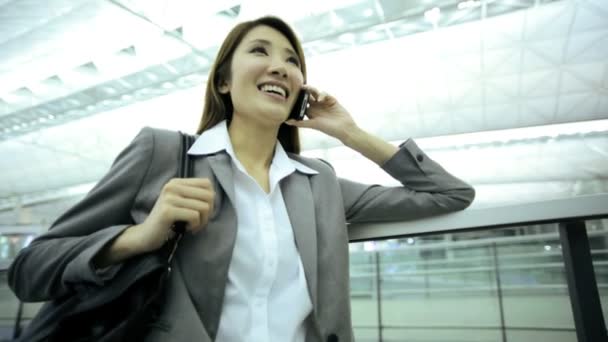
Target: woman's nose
{"points": [[279, 69]]}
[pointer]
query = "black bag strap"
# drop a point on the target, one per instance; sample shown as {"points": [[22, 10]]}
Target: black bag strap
{"points": [[185, 170]]}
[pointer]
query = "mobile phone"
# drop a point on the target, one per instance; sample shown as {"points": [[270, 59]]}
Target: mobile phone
{"points": [[299, 108]]}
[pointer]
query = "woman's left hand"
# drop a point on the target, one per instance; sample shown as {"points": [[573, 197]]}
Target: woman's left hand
{"points": [[326, 115]]}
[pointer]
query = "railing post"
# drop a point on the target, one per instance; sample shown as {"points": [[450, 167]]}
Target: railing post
{"points": [[17, 326], [582, 285], [378, 295], [499, 292]]}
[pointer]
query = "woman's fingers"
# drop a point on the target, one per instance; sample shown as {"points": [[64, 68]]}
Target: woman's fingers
{"points": [[199, 199], [301, 123], [322, 97], [312, 90], [203, 208], [316, 94], [186, 191], [190, 216], [197, 183], [188, 200], [204, 183], [194, 194]]}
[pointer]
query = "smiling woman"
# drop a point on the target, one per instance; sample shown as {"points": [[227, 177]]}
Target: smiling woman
{"points": [[218, 105], [267, 259], [262, 83]]}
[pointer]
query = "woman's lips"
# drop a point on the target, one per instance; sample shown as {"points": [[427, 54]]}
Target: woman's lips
{"points": [[274, 96]]}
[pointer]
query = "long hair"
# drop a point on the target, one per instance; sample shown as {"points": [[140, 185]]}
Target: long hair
{"points": [[218, 107]]}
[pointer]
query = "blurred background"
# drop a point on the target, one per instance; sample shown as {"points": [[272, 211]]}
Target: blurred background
{"points": [[509, 95]]}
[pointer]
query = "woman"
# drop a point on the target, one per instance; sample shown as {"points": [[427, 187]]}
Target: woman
{"points": [[268, 256]]}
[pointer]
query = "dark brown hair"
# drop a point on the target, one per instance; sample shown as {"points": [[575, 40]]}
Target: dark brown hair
{"points": [[218, 106]]}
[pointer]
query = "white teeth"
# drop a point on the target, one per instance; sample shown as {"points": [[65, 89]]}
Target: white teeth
{"points": [[274, 89]]}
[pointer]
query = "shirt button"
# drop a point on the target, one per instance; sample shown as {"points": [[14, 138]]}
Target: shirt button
{"points": [[420, 157]]}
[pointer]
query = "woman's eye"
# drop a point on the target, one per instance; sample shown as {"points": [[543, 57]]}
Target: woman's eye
{"points": [[259, 49], [294, 61]]}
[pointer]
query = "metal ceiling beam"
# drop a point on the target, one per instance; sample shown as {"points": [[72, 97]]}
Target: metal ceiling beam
{"points": [[175, 34], [184, 72]]}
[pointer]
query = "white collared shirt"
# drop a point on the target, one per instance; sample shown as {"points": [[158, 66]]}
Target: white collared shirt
{"points": [[266, 297]]}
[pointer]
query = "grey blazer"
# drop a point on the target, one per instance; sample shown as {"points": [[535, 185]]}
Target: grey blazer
{"points": [[58, 262]]}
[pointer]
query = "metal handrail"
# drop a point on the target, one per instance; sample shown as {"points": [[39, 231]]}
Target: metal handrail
{"points": [[558, 210], [471, 269], [464, 290], [504, 240], [463, 327]]}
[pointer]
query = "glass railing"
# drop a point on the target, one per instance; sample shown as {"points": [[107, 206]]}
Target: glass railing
{"points": [[520, 273], [474, 287], [493, 274]]}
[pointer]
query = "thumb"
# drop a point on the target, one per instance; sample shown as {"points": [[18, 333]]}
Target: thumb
{"points": [[300, 124]]}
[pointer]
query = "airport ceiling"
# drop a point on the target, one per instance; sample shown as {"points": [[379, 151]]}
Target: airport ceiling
{"points": [[79, 78]]}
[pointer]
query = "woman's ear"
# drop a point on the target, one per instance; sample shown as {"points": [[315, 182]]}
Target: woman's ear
{"points": [[223, 87]]}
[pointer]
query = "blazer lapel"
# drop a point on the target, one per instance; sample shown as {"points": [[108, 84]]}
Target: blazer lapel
{"points": [[297, 194], [206, 283], [220, 164], [219, 241]]}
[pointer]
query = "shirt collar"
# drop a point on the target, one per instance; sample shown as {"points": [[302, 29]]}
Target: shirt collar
{"points": [[216, 139]]}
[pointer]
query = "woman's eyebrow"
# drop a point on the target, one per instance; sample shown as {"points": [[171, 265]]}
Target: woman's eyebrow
{"points": [[267, 42]]}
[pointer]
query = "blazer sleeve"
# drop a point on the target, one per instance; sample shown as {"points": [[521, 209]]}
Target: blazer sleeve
{"points": [[427, 190], [60, 260]]}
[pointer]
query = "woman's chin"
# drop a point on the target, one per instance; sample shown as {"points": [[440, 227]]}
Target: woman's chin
{"points": [[272, 116], [275, 115]]}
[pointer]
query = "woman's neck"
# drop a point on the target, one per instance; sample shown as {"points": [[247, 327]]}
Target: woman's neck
{"points": [[253, 143]]}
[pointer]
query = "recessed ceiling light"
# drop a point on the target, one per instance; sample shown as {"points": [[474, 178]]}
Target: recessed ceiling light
{"points": [[347, 38], [335, 20], [433, 15]]}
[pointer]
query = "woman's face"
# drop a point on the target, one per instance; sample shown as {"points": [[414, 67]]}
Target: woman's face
{"points": [[265, 76]]}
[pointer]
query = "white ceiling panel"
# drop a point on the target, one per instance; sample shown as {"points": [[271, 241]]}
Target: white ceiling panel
{"points": [[19, 17], [502, 89], [603, 104], [538, 66], [459, 119], [591, 16], [542, 83]]}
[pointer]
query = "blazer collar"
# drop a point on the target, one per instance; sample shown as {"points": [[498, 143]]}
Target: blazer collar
{"points": [[216, 139], [297, 194]]}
